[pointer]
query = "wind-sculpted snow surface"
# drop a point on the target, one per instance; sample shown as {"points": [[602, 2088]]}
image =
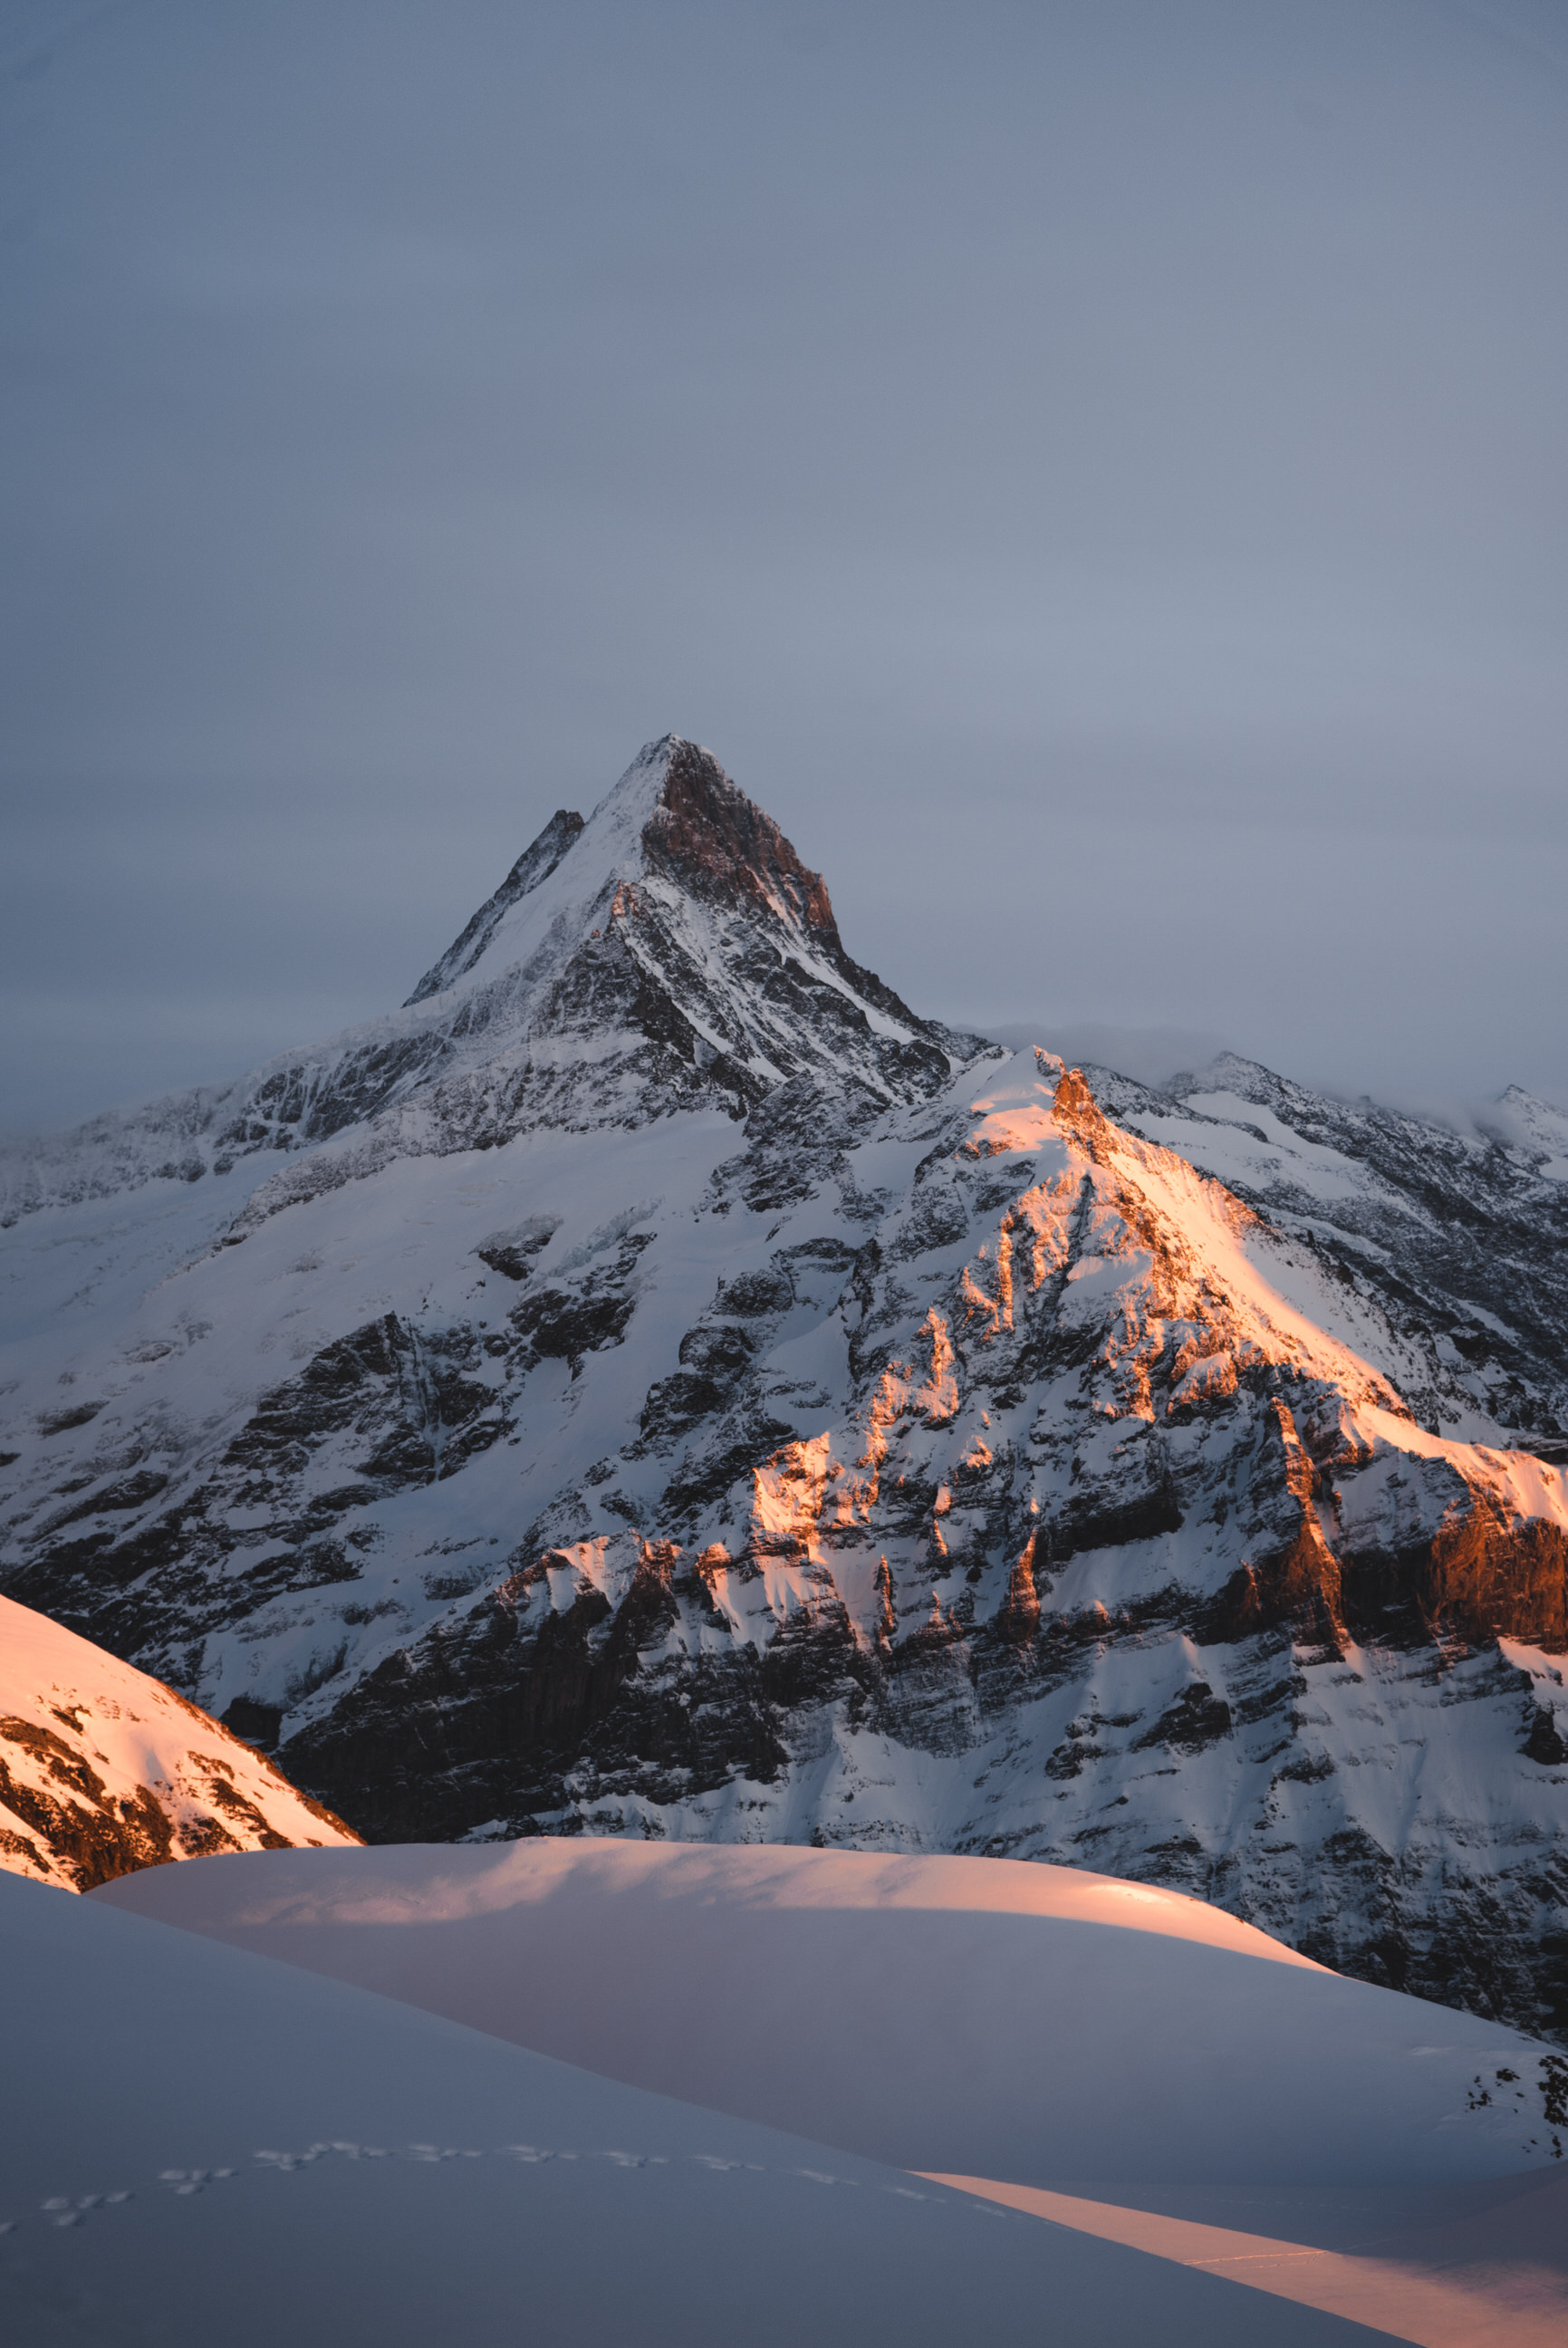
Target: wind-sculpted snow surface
{"points": [[203, 2145], [667, 1388], [1124, 2062], [103, 1771], [987, 2018]]}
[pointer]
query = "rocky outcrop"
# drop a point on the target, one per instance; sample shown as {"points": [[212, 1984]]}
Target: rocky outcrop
{"points": [[1457, 1240], [103, 1771]]}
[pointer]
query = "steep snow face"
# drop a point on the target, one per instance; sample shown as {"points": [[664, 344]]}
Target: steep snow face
{"points": [[965, 2015], [102, 1770], [536, 863], [723, 1405]]}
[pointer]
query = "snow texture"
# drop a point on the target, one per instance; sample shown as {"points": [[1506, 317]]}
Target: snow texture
{"points": [[960, 2014], [1181, 2084]]}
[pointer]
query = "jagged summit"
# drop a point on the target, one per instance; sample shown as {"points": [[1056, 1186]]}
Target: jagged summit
{"points": [[709, 835], [604, 851], [676, 817], [671, 951], [674, 812]]}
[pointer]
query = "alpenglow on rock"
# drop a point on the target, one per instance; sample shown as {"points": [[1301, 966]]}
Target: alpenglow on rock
{"points": [[103, 1773], [656, 1383]]}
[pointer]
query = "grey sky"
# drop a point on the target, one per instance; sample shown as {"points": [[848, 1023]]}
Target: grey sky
{"points": [[1095, 473]]}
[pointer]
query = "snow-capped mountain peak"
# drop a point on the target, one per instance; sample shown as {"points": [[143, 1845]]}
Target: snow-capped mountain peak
{"points": [[655, 1382], [675, 825], [671, 951]]}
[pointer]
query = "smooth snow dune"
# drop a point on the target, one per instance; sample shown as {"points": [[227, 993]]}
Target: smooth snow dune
{"points": [[967, 2016], [204, 2145]]}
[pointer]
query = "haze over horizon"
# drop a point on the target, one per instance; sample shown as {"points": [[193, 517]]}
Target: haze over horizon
{"points": [[1095, 478]]}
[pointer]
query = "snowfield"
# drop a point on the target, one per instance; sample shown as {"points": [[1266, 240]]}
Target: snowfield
{"points": [[1124, 2062], [1026, 2021], [203, 2145]]}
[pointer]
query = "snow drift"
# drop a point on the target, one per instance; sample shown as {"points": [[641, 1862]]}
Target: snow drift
{"points": [[203, 2144], [970, 2014], [1115, 2060]]}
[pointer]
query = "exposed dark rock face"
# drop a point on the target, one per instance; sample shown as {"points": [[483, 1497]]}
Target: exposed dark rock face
{"points": [[695, 1395], [710, 839]]}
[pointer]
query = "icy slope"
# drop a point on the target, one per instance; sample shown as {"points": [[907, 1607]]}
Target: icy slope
{"points": [[202, 2144], [667, 1387], [959, 2014], [102, 1769]]}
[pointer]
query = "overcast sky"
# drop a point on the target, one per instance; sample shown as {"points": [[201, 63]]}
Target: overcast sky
{"points": [[1095, 472]]}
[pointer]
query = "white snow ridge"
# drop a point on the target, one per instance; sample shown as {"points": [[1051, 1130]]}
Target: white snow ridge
{"points": [[708, 1471]]}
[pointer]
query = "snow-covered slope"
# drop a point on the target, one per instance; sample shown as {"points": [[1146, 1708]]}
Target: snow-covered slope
{"points": [[103, 1769], [668, 1388], [203, 2145], [1119, 2060], [1458, 1237], [959, 2014]]}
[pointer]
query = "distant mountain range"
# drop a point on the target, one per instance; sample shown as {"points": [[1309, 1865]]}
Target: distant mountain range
{"points": [[656, 1383]]}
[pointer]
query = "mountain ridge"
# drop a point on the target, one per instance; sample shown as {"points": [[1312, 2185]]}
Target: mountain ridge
{"points": [[103, 1771], [691, 1395]]}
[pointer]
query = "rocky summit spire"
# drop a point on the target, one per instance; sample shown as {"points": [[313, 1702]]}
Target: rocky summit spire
{"points": [[675, 816], [706, 834], [667, 951]]}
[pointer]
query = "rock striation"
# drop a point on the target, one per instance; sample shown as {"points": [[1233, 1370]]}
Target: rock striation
{"points": [[664, 1386]]}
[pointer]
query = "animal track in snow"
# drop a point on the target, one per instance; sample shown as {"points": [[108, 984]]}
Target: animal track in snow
{"points": [[65, 2211]]}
